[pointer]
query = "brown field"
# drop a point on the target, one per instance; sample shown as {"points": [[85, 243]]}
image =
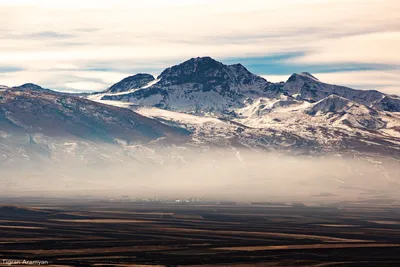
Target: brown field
{"points": [[266, 234], [314, 246], [21, 227], [338, 225], [386, 222], [102, 221], [106, 233]]}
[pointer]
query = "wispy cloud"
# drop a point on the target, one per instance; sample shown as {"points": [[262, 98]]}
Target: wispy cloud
{"points": [[40, 35], [9, 69]]}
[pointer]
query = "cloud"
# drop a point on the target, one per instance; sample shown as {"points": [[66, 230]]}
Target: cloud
{"points": [[40, 35], [50, 34], [150, 35], [88, 86], [68, 79], [9, 69], [288, 63], [380, 47]]}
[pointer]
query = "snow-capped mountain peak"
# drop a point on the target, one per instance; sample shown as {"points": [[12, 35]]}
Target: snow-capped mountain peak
{"points": [[209, 75], [30, 86], [199, 84], [308, 75], [132, 82], [34, 87], [203, 85], [304, 86]]}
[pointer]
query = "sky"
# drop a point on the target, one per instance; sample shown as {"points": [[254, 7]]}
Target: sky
{"points": [[87, 45]]}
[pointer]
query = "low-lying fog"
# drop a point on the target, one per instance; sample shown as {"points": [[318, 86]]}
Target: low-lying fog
{"points": [[218, 175]]}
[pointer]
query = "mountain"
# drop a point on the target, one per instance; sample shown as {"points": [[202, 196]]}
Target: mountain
{"points": [[388, 103], [202, 85], [332, 104], [202, 105], [200, 113], [304, 86], [38, 125], [210, 75], [31, 111], [132, 82], [341, 110], [228, 105], [199, 85], [34, 87]]}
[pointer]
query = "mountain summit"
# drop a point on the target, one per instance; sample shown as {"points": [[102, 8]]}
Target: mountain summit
{"points": [[199, 85], [204, 85], [210, 75], [132, 82], [33, 87]]}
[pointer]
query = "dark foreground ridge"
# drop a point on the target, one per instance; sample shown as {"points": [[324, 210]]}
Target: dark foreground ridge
{"points": [[119, 233]]}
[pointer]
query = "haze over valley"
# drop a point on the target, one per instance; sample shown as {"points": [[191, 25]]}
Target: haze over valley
{"points": [[197, 129]]}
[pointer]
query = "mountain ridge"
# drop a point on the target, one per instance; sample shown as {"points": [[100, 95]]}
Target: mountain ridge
{"points": [[30, 111], [214, 106], [232, 84], [132, 82], [302, 113]]}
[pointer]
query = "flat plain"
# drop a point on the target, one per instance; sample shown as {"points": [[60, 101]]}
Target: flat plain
{"points": [[123, 233]]}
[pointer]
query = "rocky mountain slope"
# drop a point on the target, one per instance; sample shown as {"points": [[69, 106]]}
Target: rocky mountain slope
{"points": [[40, 124], [30, 111], [199, 85], [206, 105], [132, 82], [304, 86], [202, 85], [231, 106]]}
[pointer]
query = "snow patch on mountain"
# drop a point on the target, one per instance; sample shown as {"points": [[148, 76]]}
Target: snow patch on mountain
{"points": [[177, 116], [337, 110], [332, 103]]}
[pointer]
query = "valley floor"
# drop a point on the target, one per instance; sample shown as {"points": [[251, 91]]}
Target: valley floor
{"points": [[91, 232]]}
